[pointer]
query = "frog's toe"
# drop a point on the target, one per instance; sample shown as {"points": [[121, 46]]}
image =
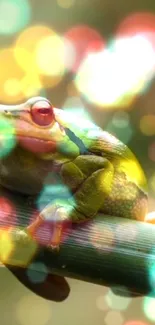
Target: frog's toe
{"points": [[54, 248]]}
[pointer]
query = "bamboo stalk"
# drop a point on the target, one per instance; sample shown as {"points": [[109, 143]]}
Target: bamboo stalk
{"points": [[110, 251]]}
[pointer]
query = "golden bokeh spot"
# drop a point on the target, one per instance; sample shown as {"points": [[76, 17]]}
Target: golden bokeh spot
{"points": [[39, 51], [10, 77], [24, 58], [31, 85], [50, 54], [35, 306], [65, 3], [114, 317], [6, 245], [16, 252], [50, 81], [26, 43], [147, 125], [12, 87]]}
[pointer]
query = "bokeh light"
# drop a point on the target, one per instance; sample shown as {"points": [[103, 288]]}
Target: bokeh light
{"points": [[137, 23], [135, 322], [106, 78], [121, 127], [6, 245], [97, 236], [117, 303], [149, 308], [82, 123], [17, 255], [36, 276], [151, 275], [34, 305], [72, 103], [65, 3], [7, 137], [52, 192], [147, 125], [125, 230], [114, 317], [10, 77], [121, 119], [40, 52], [8, 216], [73, 106], [101, 303], [50, 54], [14, 15], [26, 43], [83, 40], [150, 217]]}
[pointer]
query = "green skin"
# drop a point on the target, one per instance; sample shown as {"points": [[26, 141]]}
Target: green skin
{"points": [[101, 172]]}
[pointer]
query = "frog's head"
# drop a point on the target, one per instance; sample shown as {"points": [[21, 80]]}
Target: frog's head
{"points": [[35, 123]]}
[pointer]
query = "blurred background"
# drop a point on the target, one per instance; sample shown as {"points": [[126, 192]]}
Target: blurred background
{"points": [[94, 56]]}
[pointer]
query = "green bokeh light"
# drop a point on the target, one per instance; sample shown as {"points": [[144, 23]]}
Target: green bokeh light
{"points": [[36, 276], [14, 15], [117, 302], [121, 128], [53, 193], [7, 137]]}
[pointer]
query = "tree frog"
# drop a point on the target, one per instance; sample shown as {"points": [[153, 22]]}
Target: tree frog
{"points": [[101, 173]]}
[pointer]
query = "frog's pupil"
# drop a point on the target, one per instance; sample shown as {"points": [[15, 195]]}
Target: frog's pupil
{"points": [[44, 110]]}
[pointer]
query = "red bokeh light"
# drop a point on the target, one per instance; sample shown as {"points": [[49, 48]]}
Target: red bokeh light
{"points": [[136, 23], [84, 39], [140, 23], [8, 215]]}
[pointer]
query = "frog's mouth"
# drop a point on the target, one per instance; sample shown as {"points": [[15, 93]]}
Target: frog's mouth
{"points": [[36, 145]]}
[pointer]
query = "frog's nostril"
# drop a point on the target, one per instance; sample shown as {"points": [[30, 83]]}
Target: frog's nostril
{"points": [[7, 113]]}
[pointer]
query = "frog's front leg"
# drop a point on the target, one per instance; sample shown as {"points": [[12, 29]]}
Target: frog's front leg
{"points": [[97, 175]]}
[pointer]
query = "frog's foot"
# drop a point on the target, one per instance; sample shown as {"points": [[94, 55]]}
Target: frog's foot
{"points": [[21, 236], [57, 215]]}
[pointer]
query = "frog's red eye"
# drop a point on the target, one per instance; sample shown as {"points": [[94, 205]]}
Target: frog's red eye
{"points": [[42, 113]]}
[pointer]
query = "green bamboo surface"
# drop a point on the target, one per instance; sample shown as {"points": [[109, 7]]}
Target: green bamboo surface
{"points": [[107, 250]]}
